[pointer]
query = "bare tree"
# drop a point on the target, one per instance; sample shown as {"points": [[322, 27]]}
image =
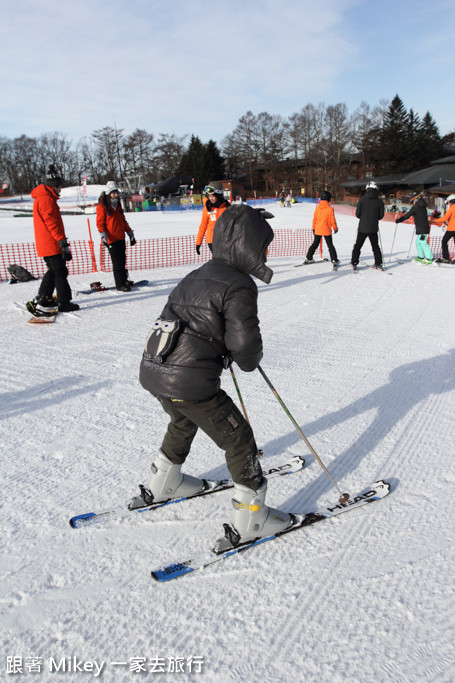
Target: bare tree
{"points": [[109, 144], [168, 155]]}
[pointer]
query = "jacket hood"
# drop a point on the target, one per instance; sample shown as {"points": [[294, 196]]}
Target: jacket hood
{"points": [[421, 202], [371, 194], [241, 237], [42, 190]]}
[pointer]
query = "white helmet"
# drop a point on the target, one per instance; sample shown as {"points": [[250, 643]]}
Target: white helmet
{"points": [[371, 185], [111, 187], [450, 199]]}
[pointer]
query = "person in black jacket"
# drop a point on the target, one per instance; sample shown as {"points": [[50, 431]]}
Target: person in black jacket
{"points": [[422, 227], [370, 210], [209, 321]]}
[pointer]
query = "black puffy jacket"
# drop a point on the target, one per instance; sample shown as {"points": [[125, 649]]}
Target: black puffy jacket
{"points": [[218, 305], [419, 211], [370, 210]]}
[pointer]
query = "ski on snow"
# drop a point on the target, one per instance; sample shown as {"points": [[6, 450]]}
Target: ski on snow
{"points": [[290, 466], [101, 288], [376, 491], [311, 263]]}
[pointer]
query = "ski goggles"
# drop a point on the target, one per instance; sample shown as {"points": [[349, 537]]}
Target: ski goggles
{"points": [[208, 189]]}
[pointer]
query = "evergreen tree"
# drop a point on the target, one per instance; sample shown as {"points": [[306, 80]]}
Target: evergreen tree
{"points": [[214, 162], [202, 162], [393, 154], [429, 141]]}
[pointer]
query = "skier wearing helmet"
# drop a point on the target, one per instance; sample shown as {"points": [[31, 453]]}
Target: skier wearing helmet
{"points": [[213, 208], [209, 321], [449, 218], [370, 210]]}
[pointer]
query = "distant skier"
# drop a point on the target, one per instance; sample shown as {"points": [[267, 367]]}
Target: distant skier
{"points": [[213, 208], [209, 321], [113, 226], [418, 211], [370, 210], [449, 218], [52, 245], [323, 223], [282, 198]]}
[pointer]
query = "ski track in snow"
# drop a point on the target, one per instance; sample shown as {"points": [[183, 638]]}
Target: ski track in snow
{"points": [[365, 366]]}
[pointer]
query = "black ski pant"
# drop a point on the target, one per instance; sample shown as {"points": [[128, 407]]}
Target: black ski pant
{"points": [[448, 235], [56, 277], [222, 421], [374, 241], [330, 247], [117, 251]]}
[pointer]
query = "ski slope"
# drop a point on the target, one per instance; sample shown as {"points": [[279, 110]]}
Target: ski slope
{"points": [[363, 361]]}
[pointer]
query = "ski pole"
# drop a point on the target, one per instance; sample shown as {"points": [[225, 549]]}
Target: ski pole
{"points": [[393, 242], [260, 451], [343, 496], [412, 238], [239, 394], [380, 242]]}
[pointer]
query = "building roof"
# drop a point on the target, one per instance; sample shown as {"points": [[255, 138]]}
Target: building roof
{"points": [[436, 174], [431, 175], [445, 188], [393, 179]]}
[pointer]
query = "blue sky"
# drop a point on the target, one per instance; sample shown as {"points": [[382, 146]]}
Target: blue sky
{"points": [[197, 67]]}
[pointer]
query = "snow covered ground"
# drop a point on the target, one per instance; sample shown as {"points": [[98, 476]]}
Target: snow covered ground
{"points": [[365, 364]]}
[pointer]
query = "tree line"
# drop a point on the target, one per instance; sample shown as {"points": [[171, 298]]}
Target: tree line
{"points": [[386, 135]]}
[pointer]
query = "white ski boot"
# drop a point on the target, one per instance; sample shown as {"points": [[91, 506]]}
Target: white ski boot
{"points": [[166, 483], [252, 518]]}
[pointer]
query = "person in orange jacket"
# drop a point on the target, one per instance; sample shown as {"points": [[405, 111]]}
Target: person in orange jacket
{"points": [[449, 218], [213, 208], [112, 225], [323, 224], [52, 245]]}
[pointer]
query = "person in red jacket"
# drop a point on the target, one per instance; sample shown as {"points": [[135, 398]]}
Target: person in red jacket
{"points": [[112, 225], [449, 218], [52, 245], [213, 208], [323, 224]]}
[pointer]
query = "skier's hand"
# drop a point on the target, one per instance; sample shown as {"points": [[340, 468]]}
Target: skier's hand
{"points": [[132, 238], [104, 239], [66, 251], [227, 361], [198, 249], [335, 231]]}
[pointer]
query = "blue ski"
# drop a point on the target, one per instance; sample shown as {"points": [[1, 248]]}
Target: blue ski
{"points": [[290, 466], [376, 491]]}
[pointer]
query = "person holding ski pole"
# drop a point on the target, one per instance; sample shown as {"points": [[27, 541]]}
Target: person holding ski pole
{"points": [[52, 244], [323, 224], [213, 208], [418, 211], [113, 226], [449, 218], [370, 210], [209, 321]]}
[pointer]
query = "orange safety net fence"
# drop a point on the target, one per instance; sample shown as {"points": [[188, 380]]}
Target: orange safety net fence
{"points": [[166, 252], [25, 255], [162, 252]]}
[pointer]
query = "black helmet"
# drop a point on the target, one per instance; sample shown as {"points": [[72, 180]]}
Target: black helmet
{"points": [[326, 195]]}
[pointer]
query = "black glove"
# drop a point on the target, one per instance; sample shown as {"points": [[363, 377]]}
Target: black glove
{"points": [[132, 238], [423, 238], [66, 251], [227, 361], [104, 238], [198, 249]]}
